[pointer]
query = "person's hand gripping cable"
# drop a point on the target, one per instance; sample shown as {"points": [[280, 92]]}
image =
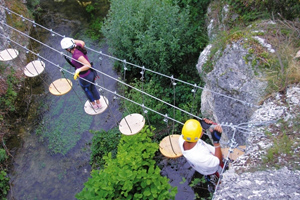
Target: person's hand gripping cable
{"points": [[76, 74]]}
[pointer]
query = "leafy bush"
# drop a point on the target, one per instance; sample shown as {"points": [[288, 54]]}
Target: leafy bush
{"points": [[250, 10], [131, 175], [7, 101], [4, 185], [184, 99], [103, 143], [3, 155], [96, 10], [153, 33]]}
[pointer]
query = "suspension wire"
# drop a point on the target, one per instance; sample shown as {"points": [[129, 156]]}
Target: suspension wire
{"points": [[233, 145], [111, 77], [124, 65], [103, 82], [115, 93], [145, 112], [63, 73], [137, 66], [194, 90], [174, 84]]}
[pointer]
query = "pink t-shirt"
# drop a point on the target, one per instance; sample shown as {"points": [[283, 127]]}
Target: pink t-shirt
{"points": [[77, 65], [201, 157]]}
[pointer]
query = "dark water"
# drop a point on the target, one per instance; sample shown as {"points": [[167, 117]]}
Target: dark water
{"points": [[51, 151]]}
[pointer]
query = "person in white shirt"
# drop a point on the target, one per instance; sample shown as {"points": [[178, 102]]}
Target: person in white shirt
{"points": [[204, 158]]}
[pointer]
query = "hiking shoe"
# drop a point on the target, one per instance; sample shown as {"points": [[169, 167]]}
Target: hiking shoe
{"points": [[94, 106], [99, 106]]}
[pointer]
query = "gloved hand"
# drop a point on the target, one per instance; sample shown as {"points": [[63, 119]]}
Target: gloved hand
{"points": [[205, 123], [216, 134], [76, 74]]}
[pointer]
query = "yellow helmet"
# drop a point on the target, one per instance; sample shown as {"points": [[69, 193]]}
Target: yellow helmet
{"points": [[191, 130]]}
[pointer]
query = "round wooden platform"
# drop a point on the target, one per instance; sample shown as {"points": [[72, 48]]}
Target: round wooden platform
{"points": [[8, 54], [89, 110], [132, 124], [237, 152], [166, 148], [60, 86], [297, 54], [34, 68]]}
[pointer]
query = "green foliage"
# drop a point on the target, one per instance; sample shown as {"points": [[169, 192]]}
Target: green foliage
{"points": [[281, 145], [250, 10], [197, 14], [4, 185], [32, 4], [103, 143], [133, 174], [97, 10], [183, 99], [153, 33], [197, 181], [3, 155], [7, 101]]}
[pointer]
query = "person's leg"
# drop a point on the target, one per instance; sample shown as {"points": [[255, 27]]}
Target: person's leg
{"points": [[85, 86]]}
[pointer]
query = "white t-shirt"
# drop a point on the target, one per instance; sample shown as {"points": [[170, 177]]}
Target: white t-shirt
{"points": [[201, 157]]}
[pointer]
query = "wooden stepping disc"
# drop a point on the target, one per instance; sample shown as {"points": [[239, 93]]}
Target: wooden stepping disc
{"points": [[34, 68], [89, 110], [132, 124], [297, 54], [60, 86], [166, 148], [8, 54], [237, 152]]}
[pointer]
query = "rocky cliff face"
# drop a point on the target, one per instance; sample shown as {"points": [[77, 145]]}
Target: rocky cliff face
{"points": [[235, 92], [18, 63]]}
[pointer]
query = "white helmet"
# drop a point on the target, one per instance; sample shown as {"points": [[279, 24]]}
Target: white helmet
{"points": [[67, 43]]}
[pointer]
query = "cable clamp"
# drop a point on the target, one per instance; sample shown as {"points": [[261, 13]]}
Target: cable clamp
{"points": [[166, 118], [124, 65], [115, 95], [143, 71], [27, 51], [52, 33], [8, 12], [194, 89], [173, 81]]}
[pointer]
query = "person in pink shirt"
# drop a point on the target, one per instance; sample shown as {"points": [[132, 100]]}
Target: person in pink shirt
{"points": [[82, 66]]}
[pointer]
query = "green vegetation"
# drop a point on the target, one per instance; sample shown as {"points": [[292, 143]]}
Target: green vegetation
{"points": [[147, 33], [133, 174], [97, 10], [250, 10], [103, 143], [282, 152], [4, 185], [183, 99], [7, 101], [4, 180]]}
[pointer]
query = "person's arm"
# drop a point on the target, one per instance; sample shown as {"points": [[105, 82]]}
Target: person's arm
{"points": [[216, 135], [86, 64], [79, 42]]}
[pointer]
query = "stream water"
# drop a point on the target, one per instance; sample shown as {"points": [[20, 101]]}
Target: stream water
{"points": [[51, 151]]}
